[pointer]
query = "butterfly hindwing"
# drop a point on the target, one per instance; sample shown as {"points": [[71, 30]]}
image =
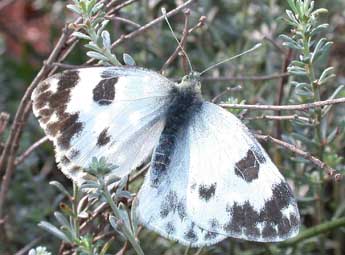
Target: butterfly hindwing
{"points": [[233, 187], [113, 112], [162, 207]]}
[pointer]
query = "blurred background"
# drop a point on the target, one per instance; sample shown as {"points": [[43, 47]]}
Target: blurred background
{"points": [[29, 30]]}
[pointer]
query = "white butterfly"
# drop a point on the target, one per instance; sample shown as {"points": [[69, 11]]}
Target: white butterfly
{"points": [[209, 178]]}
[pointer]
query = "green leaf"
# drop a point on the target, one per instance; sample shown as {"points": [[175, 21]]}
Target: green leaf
{"points": [[96, 55], [128, 60], [60, 187], [61, 219], [74, 9], [54, 231], [81, 35]]}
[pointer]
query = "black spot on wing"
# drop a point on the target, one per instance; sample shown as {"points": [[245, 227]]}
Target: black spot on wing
{"points": [[69, 127], [169, 204], [181, 209], [207, 192], [269, 231], [42, 99], [191, 235], [170, 228], [65, 161], [104, 92], [248, 167], [103, 138], [49, 103], [210, 235], [74, 153], [244, 219], [68, 80]]}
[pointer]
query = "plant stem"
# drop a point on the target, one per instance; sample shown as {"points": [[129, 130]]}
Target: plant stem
{"points": [[75, 210], [127, 232], [314, 231]]}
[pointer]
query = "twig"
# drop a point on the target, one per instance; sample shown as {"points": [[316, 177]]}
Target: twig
{"points": [[275, 44], [247, 78], [150, 24], [182, 42], [127, 21], [329, 170], [226, 91], [280, 94], [4, 117], [67, 66], [314, 231], [30, 245], [279, 117], [27, 153], [120, 6], [201, 23], [297, 107]]}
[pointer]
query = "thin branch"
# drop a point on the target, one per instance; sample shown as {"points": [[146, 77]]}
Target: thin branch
{"points": [[120, 6], [127, 21], [201, 23], [297, 107], [276, 45], [247, 78], [226, 91], [150, 24], [33, 147], [329, 170], [4, 117], [280, 94], [30, 245], [67, 66], [314, 231], [279, 117], [182, 42]]}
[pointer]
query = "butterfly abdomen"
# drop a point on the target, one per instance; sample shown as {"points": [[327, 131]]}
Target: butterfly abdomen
{"points": [[185, 101]]}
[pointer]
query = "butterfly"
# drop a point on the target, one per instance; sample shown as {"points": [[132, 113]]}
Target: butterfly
{"points": [[209, 178]]}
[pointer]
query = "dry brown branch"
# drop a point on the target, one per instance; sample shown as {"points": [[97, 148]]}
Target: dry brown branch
{"points": [[276, 45], [297, 107], [179, 48], [30, 245], [201, 23], [120, 6], [151, 23], [329, 170], [4, 117], [246, 78], [226, 91], [127, 21], [33, 147], [280, 94], [278, 117]]}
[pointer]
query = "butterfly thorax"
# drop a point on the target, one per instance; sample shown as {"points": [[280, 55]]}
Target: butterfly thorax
{"points": [[186, 101]]}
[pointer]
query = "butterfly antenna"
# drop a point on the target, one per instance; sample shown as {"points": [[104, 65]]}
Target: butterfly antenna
{"points": [[178, 42], [232, 58]]}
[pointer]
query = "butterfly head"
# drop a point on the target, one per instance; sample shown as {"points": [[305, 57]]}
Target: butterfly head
{"points": [[192, 80]]}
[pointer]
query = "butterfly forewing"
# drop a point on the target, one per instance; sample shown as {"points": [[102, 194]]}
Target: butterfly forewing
{"points": [[116, 113], [233, 186]]}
